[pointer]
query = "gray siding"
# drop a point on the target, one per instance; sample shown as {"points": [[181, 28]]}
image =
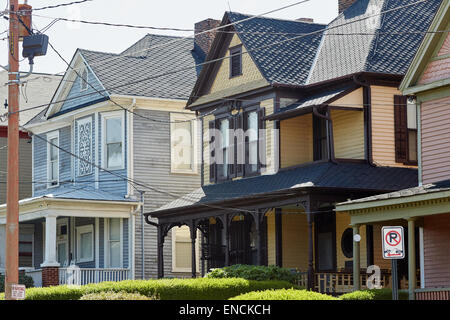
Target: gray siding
{"points": [[152, 166]]}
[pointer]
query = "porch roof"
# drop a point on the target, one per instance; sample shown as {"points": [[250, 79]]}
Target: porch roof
{"points": [[316, 176]]}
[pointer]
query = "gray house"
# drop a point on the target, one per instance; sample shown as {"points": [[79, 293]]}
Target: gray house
{"points": [[115, 129]]}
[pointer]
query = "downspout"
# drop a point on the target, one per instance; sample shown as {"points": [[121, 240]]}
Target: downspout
{"points": [[142, 235], [330, 139], [367, 105], [132, 239]]}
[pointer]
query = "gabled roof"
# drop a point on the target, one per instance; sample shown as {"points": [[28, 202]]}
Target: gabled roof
{"points": [[372, 42], [357, 176]]}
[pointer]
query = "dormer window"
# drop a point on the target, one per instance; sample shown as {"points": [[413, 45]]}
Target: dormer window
{"points": [[405, 120], [84, 79], [235, 61]]}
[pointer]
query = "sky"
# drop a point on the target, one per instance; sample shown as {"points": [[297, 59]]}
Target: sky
{"points": [[66, 37]]}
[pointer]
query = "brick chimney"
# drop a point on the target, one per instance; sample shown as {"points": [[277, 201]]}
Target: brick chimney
{"points": [[344, 4], [205, 40]]}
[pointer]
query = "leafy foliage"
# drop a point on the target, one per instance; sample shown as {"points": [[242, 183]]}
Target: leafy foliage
{"points": [[110, 295], [284, 294], [258, 273], [23, 279]]}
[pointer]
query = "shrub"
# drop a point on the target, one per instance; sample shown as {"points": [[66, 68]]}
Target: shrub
{"points": [[23, 279], [258, 273], [165, 289], [284, 294], [110, 295], [374, 294]]}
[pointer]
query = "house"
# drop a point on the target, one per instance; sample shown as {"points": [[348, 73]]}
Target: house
{"points": [[424, 209], [35, 91], [297, 117], [114, 140]]}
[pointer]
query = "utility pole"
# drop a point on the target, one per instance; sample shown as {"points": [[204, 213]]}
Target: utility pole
{"points": [[12, 202]]}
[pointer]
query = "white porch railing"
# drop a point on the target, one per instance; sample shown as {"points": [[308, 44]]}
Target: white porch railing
{"points": [[82, 276]]}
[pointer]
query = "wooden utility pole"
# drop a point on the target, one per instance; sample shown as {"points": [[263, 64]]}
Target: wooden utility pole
{"points": [[12, 202]]}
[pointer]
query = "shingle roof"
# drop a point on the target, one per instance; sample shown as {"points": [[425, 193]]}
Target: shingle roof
{"points": [[376, 44], [318, 175], [279, 60], [168, 54]]}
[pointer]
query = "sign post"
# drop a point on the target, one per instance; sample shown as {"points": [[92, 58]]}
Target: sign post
{"points": [[393, 249]]}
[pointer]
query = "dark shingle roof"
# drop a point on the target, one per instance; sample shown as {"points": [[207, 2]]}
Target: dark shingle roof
{"points": [[376, 44], [357, 176], [279, 60]]}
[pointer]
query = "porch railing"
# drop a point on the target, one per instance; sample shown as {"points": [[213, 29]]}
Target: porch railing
{"points": [[433, 294], [342, 282], [82, 276]]}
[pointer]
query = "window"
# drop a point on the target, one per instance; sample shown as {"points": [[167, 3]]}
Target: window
{"points": [[53, 159], [84, 146], [85, 243], [320, 138], [26, 243], [237, 145], [235, 61], [405, 120], [113, 141], [182, 250], [183, 143], [114, 255], [84, 80], [62, 242]]}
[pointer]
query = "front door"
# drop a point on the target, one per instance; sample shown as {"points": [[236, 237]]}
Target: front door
{"points": [[325, 240], [62, 242]]}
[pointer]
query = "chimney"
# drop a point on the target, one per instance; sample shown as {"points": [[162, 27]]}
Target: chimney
{"points": [[344, 4], [308, 20], [205, 40]]}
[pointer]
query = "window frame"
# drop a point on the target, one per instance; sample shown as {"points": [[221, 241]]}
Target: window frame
{"points": [[82, 230], [194, 143], [175, 268], [401, 127], [232, 51], [106, 116], [107, 241], [248, 110], [51, 136]]}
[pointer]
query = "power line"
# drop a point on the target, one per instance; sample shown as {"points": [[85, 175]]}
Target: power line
{"points": [[51, 7]]}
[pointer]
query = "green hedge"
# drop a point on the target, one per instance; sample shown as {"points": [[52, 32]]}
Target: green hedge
{"points": [[258, 273], [165, 289], [23, 279], [284, 294], [109, 295], [374, 294]]}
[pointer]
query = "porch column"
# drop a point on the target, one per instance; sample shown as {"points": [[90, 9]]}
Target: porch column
{"points": [[356, 260], [227, 240], [258, 226], [310, 251], [278, 237], [160, 249], [412, 277], [50, 266], [193, 229]]}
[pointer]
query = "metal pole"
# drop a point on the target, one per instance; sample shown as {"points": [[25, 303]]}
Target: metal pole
{"points": [[394, 280], [12, 202]]}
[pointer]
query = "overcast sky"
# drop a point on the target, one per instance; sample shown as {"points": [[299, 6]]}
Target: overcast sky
{"points": [[67, 37]]}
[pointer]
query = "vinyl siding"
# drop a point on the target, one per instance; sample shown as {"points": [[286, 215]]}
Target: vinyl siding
{"points": [[152, 166], [438, 69], [342, 223], [206, 151], [271, 244], [348, 134], [383, 137], [296, 141], [435, 137], [295, 240], [250, 71], [352, 100], [436, 257]]}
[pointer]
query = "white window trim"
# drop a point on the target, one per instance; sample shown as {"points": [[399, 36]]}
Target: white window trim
{"points": [[85, 229], [197, 252], [50, 136], [106, 116], [82, 122], [106, 243], [195, 139], [83, 83]]}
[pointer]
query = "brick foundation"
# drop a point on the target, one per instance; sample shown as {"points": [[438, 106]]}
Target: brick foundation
{"points": [[50, 276]]}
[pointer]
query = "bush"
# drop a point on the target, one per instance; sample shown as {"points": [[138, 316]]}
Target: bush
{"points": [[284, 294], [258, 273], [110, 295], [23, 279], [374, 294], [165, 289]]}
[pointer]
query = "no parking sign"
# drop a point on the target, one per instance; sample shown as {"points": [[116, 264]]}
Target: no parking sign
{"points": [[393, 243]]}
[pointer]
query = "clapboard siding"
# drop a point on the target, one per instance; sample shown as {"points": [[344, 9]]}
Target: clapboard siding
{"points": [[436, 258], [435, 139], [296, 136], [152, 166], [348, 134]]}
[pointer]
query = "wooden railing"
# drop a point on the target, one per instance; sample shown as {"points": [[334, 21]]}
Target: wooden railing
{"points": [[433, 294], [82, 276]]}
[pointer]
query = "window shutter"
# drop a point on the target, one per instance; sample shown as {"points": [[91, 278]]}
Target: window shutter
{"points": [[240, 145], [262, 138], [232, 149], [401, 130], [212, 152]]}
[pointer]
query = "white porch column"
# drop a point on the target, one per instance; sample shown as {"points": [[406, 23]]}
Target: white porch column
{"points": [[50, 243]]}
